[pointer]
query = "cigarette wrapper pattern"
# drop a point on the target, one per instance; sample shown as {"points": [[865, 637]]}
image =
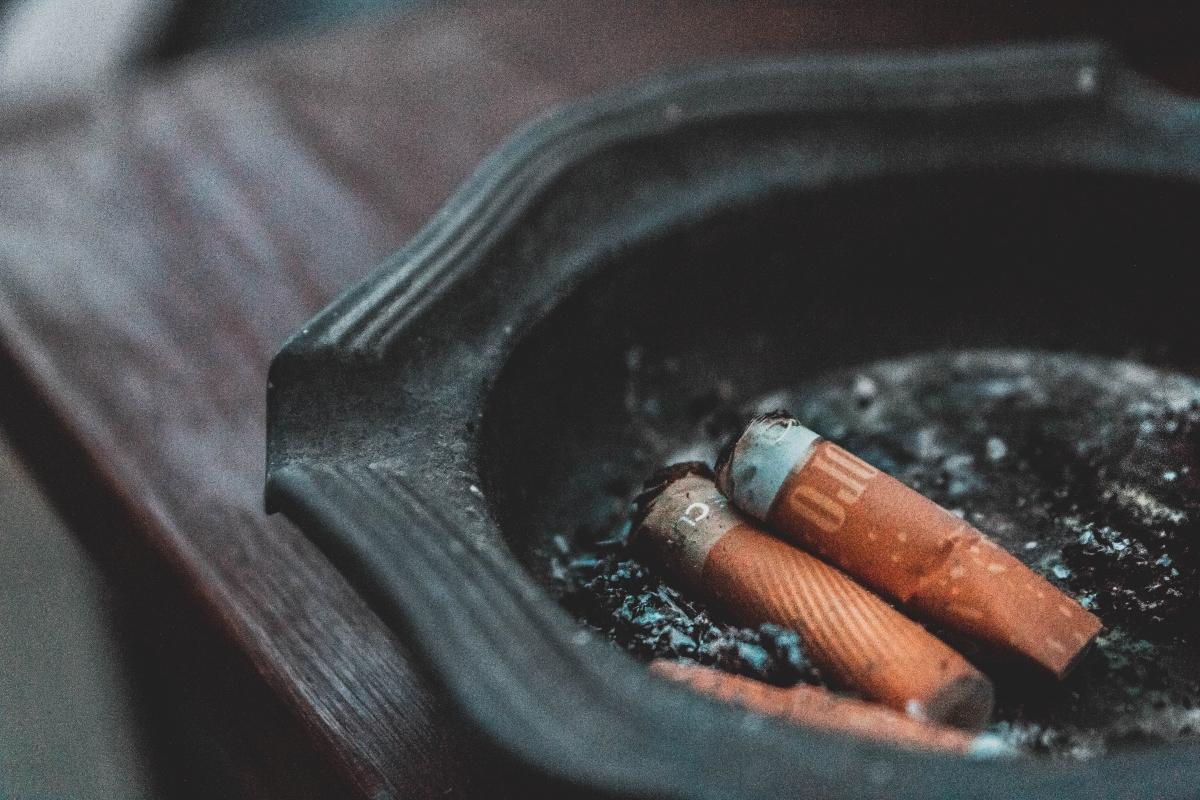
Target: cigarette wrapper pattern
{"points": [[853, 636], [901, 544]]}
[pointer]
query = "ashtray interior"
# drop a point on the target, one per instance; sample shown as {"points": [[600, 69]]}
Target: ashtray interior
{"points": [[1017, 346]]}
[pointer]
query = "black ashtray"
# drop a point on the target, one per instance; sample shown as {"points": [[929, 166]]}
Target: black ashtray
{"points": [[753, 225]]}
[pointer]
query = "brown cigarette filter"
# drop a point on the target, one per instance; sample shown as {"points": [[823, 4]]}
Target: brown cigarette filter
{"points": [[688, 527], [900, 543], [819, 708]]}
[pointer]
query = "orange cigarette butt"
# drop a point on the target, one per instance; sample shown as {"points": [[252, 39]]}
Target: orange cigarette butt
{"points": [[900, 543], [818, 708], [853, 636]]}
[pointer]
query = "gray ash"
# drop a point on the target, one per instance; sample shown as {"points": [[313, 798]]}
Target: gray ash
{"points": [[1087, 469], [638, 611]]}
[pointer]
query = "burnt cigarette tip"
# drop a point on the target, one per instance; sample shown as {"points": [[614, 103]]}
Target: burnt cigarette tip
{"points": [[725, 456], [754, 464], [1082, 653], [965, 703], [656, 484]]}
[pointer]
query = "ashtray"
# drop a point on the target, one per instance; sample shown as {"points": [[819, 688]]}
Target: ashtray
{"points": [[751, 225]]}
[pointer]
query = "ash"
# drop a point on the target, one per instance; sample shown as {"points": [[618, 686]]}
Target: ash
{"points": [[1087, 469], [638, 611]]}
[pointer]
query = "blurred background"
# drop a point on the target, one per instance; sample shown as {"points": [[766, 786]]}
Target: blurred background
{"points": [[58, 43], [67, 721], [73, 646]]}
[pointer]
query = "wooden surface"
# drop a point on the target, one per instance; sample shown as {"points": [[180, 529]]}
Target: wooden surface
{"points": [[158, 242]]}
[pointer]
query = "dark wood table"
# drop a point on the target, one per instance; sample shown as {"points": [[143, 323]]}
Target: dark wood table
{"points": [[160, 239]]}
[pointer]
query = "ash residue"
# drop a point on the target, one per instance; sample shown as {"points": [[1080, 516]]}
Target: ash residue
{"points": [[1087, 469], [638, 611]]}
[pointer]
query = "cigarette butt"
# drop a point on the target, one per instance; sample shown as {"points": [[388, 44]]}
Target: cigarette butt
{"points": [[819, 708], [689, 528], [900, 543]]}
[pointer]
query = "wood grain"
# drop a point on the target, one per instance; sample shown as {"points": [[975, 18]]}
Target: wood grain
{"points": [[160, 240]]}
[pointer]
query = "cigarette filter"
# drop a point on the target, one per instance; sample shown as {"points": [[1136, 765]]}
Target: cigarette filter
{"points": [[855, 638], [819, 708], [900, 543]]}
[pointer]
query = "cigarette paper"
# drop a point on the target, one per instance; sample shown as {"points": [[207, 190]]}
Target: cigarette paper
{"points": [[901, 544], [689, 528], [819, 708]]}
